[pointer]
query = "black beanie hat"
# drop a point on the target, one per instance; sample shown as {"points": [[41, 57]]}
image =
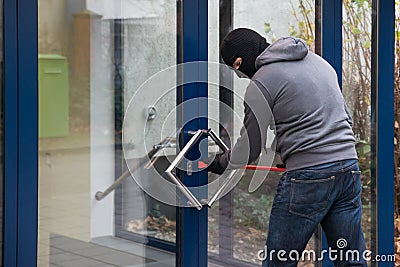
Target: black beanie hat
{"points": [[244, 43]]}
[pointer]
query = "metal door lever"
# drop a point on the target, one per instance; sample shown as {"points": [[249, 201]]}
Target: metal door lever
{"points": [[170, 171]]}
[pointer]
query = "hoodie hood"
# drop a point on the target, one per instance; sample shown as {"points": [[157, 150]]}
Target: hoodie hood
{"points": [[284, 49]]}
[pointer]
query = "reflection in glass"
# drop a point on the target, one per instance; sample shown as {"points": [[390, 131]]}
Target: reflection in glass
{"points": [[240, 232], [93, 56], [149, 47], [356, 79]]}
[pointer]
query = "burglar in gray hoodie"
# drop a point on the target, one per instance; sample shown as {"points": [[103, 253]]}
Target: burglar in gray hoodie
{"points": [[296, 92]]}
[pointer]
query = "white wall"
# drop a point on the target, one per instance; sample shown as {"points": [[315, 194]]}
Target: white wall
{"points": [[150, 47]]}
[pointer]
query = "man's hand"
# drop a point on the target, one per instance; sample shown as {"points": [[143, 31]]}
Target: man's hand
{"points": [[281, 165], [218, 165]]}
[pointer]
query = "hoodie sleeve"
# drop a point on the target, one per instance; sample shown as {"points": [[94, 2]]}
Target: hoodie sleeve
{"points": [[253, 134]]}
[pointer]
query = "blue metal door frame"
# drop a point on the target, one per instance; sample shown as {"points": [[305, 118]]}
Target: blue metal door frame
{"points": [[383, 95], [10, 133], [192, 225], [331, 51], [383, 78], [21, 120], [21, 132]]}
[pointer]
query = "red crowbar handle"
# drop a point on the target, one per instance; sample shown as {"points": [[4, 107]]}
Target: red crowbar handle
{"points": [[264, 168], [203, 165]]}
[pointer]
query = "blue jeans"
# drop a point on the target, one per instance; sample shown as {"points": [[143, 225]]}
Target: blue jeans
{"points": [[327, 194]]}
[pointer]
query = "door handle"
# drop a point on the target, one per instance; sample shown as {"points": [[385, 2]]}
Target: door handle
{"points": [[231, 174], [171, 173], [170, 170]]}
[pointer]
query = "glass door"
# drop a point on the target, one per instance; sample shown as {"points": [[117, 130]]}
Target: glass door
{"points": [[238, 223], [128, 93], [102, 132]]}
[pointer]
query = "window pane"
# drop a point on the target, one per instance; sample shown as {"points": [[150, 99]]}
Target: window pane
{"points": [[239, 224], [357, 30], [93, 57]]}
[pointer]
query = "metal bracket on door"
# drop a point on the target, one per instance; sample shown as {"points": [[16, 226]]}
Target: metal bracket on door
{"points": [[170, 171]]}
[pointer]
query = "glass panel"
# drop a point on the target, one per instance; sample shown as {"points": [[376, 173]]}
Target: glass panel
{"points": [[94, 56], [150, 46], [357, 32], [238, 225]]}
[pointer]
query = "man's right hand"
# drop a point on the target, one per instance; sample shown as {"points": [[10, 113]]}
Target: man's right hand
{"points": [[217, 165]]}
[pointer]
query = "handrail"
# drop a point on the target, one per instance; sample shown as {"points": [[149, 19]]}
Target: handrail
{"points": [[102, 194]]}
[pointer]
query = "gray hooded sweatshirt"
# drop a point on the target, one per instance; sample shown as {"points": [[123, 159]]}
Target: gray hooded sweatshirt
{"points": [[297, 94]]}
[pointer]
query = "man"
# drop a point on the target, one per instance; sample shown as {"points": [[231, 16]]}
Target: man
{"points": [[297, 91]]}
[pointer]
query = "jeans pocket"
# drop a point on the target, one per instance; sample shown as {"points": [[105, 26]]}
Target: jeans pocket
{"points": [[309, 196]]}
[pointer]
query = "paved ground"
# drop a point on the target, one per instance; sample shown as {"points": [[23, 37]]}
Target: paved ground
{"points": [[109, 251]]}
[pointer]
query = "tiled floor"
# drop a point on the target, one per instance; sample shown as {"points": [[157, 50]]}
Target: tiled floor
{"points": [[105, 251]]}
